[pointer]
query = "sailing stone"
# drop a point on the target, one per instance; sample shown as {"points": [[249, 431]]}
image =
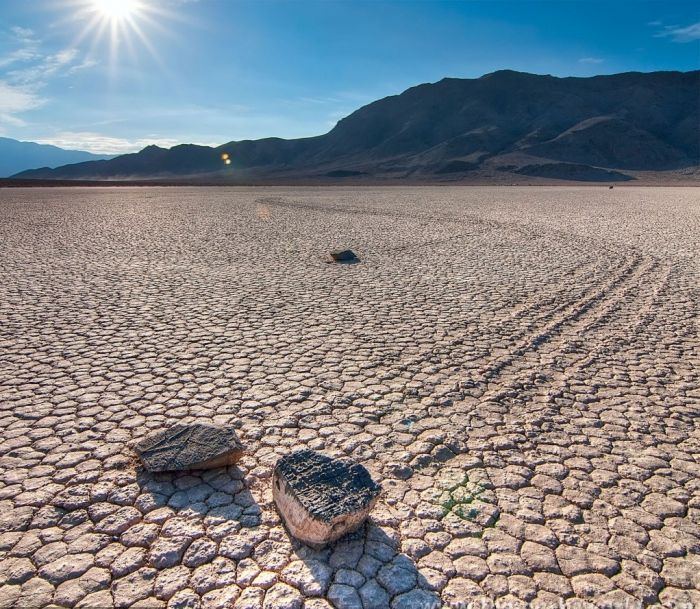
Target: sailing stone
{"points": [[344, 256], [185, 447], [321, 498]]}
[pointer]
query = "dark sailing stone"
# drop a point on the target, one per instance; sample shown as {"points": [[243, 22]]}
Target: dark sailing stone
{"points": [[344, 256], [321, 498], [184, 447]]}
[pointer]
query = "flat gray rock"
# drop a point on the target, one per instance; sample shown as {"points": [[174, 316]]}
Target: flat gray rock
{"points": [[321, 498], [184, 447]]}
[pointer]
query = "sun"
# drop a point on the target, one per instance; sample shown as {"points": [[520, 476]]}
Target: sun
{"points": [[116, 10], [123, 25], [128, 30]]}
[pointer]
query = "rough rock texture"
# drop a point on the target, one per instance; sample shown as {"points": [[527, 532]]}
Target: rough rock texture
{"points": [[321, 498], [518, 367], [185, 447]]}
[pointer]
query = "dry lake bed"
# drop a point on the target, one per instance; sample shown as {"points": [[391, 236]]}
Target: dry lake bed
{"points": [[518, 367]]}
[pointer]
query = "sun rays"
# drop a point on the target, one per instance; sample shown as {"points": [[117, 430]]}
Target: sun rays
{"points": [[126, 27]]}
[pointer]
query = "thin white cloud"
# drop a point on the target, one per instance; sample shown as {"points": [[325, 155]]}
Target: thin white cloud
{"points": [[27, 69], [319, 100], [677, 33], [591, 60], [84, 65], [105, 144], [15, 100], [10, 120], [27, 50], [18, 56], [22, 33], [51, 65]]}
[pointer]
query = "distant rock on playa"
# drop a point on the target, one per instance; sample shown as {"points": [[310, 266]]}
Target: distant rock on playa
{"points": [[185, 447], [342, 256], [321, 498]]}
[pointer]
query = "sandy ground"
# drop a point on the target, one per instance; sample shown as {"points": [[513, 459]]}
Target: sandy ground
{"points": [[518, 367]]}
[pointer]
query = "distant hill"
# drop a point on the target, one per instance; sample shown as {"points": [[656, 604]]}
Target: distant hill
{"points": [[16, 156], [502, 124]]}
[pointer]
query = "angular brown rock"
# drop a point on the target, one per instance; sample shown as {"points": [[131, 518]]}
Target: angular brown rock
{"points": [[185, 447]]}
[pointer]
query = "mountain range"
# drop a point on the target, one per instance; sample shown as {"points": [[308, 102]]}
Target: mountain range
{"points": [[16, 156], [502, 125]]}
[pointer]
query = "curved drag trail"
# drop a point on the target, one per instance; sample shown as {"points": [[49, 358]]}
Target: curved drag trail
{"points": [[518, 366]]}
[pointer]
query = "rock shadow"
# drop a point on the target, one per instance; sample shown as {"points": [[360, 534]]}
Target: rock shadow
{"points": [[218, 495], [206, 517], [212, 516], [363, 569]]}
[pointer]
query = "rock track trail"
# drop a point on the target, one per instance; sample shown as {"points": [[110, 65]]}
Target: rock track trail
{"points": [[519, 367]]}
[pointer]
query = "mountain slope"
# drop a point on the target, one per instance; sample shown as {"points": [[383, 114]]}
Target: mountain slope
{"points": [[17, 156], [501, 122]]}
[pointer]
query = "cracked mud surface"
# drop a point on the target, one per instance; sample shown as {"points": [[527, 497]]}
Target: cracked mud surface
{"points": [[518, 367]]}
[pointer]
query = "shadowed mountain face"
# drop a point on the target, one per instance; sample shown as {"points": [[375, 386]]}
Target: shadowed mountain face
{"points": [[17, 156], [507, 121]]}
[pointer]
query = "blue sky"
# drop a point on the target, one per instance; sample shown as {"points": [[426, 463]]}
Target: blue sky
{"points": [[211, 71]]}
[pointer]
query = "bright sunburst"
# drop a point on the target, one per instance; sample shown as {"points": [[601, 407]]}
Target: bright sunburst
{"points": [[116, 9], [126, 27]]}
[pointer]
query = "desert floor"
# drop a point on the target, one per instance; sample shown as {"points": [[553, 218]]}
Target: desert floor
{"points": [[519, 367]]}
